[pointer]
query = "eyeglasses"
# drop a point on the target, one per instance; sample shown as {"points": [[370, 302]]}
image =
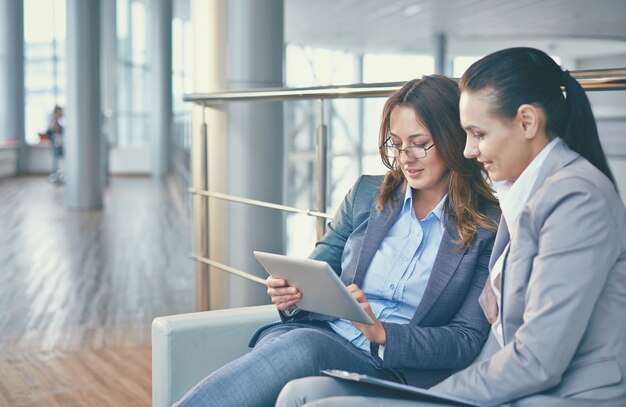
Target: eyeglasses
{"points": [[412, 152]]}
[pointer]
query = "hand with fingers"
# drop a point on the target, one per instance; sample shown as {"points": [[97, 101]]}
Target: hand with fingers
{"points": [[374, 333], [282, 294]]}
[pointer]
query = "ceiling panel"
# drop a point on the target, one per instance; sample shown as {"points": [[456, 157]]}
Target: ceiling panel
{"points": [[408, 26]]}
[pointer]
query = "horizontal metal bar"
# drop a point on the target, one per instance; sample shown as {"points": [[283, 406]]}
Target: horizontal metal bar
{"points": [[278, 94], [254, 202], [229, 269], [597, 79]]}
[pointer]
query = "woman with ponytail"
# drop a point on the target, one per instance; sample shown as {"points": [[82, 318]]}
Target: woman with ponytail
{"points": [[557, 289], [413, 248]]}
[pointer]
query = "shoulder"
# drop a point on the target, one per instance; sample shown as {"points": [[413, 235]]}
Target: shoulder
{"points": [[366, 187], [370, 182], [580, 177], [577, 188], [485, 237], [492, 211]]}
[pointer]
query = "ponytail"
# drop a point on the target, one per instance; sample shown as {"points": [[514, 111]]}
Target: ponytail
{"points": [[581, 133], [517, 76]]}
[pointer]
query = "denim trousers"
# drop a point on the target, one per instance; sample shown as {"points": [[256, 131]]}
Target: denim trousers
{"points": [[284, 352]]}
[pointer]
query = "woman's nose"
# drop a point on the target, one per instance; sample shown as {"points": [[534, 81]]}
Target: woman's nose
{"points": [[471, 148], [405, 157]]}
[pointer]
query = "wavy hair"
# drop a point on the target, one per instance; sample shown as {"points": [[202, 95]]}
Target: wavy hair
{"points": [[435, 100]]}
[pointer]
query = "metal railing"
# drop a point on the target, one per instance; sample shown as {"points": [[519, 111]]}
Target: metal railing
{"points": [[598, 79], [591, 80]]}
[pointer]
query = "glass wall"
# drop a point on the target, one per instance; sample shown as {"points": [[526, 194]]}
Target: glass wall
{"points": [[352, 127], [45, 63]]}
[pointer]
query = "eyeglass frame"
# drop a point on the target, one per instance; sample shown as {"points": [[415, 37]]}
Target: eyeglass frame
{"points": [[385, 145]]}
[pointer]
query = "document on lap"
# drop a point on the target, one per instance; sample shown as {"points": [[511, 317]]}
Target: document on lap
{"points": [[322, 290], [414, 393]]}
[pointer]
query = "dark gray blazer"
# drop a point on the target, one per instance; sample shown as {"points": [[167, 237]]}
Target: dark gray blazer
{"points": [[448, 328]]}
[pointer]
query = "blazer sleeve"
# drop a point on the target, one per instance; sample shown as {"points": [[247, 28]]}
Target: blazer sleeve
{"points": [[330, 247], [577, 245], [450, 346]]}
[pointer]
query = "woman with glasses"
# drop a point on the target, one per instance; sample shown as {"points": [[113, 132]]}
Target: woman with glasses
{"points": [[557, 289], [412, 246]]}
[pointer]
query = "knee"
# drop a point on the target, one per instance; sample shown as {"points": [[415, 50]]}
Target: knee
{"points": [[293, 394]]}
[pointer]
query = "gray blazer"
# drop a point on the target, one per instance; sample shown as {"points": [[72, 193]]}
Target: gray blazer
{"points": [[563, 295], [448, 328]]}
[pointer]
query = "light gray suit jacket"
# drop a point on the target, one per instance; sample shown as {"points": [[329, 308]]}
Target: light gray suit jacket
{"points": [[563, 295]]}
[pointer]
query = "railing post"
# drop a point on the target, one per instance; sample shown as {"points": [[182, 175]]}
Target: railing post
{"points": [[321, 157], [201, 224]]}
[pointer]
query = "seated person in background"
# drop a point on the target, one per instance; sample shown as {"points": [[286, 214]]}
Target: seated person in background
{"points": [[55, 129], [413, 247], [557, 289]]}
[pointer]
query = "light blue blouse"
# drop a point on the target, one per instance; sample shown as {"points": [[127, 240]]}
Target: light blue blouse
{"points": [[398, 274]]}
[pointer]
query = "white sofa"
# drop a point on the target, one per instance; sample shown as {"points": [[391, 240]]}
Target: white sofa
{"points": [[187, 347]]}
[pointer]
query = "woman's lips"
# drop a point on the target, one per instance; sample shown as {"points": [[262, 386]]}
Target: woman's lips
{"points": [[411, 173]]}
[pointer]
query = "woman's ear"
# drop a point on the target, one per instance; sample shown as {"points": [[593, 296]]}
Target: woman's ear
{"points": [[530, 119]]}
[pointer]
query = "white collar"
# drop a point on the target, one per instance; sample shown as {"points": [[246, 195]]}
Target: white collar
{"points": [[513, 195]]}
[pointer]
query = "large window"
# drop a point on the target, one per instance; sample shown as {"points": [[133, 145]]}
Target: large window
{"points": [[352, 126], [45, 70], [133, 74]]}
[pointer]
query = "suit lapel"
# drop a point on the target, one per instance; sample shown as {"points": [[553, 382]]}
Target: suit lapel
{"points": [[447, 261], [378, 225], [502, 238], [559, 157]]}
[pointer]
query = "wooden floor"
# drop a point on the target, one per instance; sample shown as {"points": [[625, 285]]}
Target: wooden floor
{"points": [[78, 291]]}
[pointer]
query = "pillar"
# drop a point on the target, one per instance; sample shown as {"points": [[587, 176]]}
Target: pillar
{"points": [[439, 53], [83, 132], [237, 45], [255, 136], [162, 87], [108, 69], [12, 97], [209, 58]]}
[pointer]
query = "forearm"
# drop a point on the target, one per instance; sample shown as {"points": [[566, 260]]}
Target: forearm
{"points": [[444, 347]]}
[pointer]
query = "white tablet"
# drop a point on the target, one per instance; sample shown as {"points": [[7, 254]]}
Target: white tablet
{"points": [[322, 290]]}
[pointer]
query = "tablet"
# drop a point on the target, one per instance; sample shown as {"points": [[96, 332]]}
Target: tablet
{"points": [[413, 393], [322, 290]]}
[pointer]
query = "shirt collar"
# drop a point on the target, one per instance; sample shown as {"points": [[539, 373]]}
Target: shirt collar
{"points": [[408, 204], [513, 195]]}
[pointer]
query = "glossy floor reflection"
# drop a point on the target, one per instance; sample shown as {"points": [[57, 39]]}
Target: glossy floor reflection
{"points": [[79, 289]]}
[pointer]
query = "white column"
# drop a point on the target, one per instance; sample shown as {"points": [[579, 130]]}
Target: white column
{"points": [[439, 54], [255, 137], [237, 45], [162, 86], [209, 58], [83, 133], [12, 96]]}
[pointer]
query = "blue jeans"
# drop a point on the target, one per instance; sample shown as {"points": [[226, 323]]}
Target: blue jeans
{"points": [[285, 352]]}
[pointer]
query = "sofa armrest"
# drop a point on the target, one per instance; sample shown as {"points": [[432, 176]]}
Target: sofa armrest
{"points": [[187, 347]]}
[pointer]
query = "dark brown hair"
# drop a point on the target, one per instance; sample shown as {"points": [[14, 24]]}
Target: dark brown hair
{"points": [[517, 76], [435, 100]]}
